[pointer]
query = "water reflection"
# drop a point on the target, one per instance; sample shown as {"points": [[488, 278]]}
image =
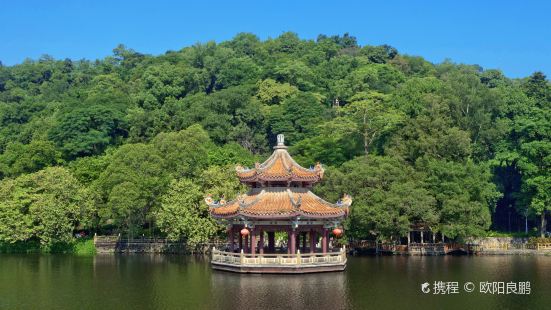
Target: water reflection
{"points": [[185, 282], [310, 291]]}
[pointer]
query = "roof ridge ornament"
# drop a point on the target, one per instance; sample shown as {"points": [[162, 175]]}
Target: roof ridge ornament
{"points": [[280, 142], [280, 139], [215, 203], [345, 201]]}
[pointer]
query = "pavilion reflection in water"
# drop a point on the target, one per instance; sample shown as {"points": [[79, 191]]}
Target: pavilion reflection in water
{"points": [[305, 291], [280, 200]]}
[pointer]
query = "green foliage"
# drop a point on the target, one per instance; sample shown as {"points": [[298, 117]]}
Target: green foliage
{"points": [[492, 233], [81, 247], [46, 205], [88, 169], [464, 195], [388, 196], [373, 116], [220, 181], [27, 247], [131, 184], [230, 154], [20, 158], [272, 92], [297, 117], [88, 130], [537, 87], [130, 143], [185, 153], [84, 247], [184, 215]]}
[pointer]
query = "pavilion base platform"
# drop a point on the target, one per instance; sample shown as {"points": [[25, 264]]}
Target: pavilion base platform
{"points": [[278, 263]]}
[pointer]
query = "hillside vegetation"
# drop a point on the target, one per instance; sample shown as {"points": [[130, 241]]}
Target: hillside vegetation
{"points": [[131, 143]]}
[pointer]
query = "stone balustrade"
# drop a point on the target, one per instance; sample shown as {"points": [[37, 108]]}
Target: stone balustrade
{"points": [[279, 259]]}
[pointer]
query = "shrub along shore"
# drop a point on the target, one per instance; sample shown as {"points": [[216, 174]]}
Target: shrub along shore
{"points": [[81, 246]]}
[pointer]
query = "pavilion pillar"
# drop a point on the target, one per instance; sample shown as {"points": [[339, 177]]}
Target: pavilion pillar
{"points": [[246, 244], [324, 240], [253, 242], [293, 242], [422, 241], [312, 241], [271, 241], [409, 237], [433, 236], [261, 242], [230, 238], [240, 242], [303, 242], [289, 242]]}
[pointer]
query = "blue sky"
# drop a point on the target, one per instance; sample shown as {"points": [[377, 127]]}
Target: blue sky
{"points": [[514, 36]]}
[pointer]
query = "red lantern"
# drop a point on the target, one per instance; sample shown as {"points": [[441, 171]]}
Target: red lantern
{"points": [[244, 232], [337, 232]]}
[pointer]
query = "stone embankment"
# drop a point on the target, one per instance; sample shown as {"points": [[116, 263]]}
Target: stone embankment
{"points": [[509, 246], [478, 246], [118, 244]]}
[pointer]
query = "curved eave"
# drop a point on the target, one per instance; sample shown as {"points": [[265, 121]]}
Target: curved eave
{"points": [[261, 177], [292, 215], [280, 203]]}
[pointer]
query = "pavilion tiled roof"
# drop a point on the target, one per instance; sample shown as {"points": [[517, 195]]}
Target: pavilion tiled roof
{"points": [[280, 167], [279, 202]]}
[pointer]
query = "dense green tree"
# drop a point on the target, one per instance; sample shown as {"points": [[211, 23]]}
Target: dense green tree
{"points": [[297, 117], [373, 116], [413, 65], [183, 214], [26, 158], [230, 154], [389, 196], [237, 71], [431, 134], [464, 194], [162, 81], [47, 205], [272, 92], [220, 181], [131, 185], [534, 161], [88, 169], [88, 130], [296, 73], [537, 87], [184, 153], [245, 44]]}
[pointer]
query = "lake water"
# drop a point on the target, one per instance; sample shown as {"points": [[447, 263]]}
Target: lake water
{"points": [[185, 282]]}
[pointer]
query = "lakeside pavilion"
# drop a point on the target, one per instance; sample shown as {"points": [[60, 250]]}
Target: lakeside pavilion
{"points": [[280, 200]]}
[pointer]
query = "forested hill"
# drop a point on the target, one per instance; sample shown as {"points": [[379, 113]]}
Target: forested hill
{"points": [[132, 142]]}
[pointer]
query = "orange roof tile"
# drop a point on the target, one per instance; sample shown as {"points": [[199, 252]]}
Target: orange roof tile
{"points": [[270, 202], [280, 166]]}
